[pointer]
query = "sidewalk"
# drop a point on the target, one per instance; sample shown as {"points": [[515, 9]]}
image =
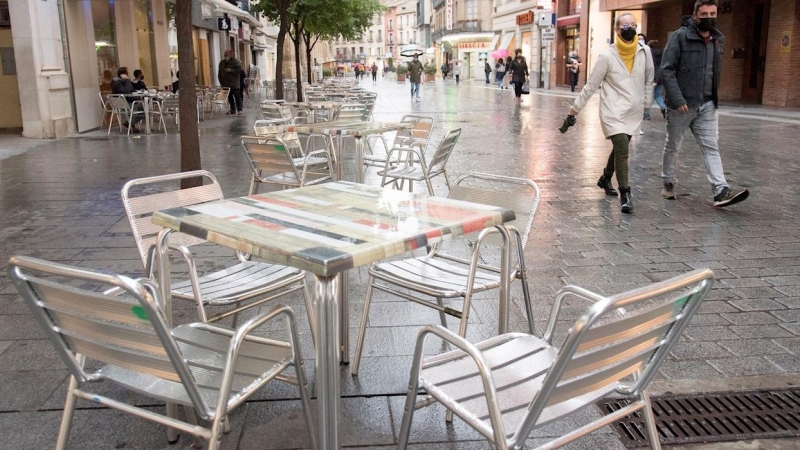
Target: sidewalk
{"points": [[60, 201]]}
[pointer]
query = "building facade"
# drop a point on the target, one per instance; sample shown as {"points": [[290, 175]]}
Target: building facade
{"points": [[368, 49], [526, 25], [758, 60], [462, 31]]}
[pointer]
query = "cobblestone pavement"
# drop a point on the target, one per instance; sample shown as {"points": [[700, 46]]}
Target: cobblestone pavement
{"points": [[60, 201]]}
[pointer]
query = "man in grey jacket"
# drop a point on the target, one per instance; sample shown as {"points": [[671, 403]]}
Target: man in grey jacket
{"points": [[690, 68], [228, 74]]}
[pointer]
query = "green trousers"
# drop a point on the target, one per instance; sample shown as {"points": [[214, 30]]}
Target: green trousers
{"points": [[618, 159]]}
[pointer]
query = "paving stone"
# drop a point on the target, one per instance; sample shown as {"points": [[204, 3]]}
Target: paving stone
{"points": [[750, 318], [752, 347], [698, 350], [28, 390], [760, 331], [745, 366], [31, 355], [787, 363], [756, 305], [688, 370]]}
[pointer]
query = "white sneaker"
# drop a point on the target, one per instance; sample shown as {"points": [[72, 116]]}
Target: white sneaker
{"points": [[641, 132]]}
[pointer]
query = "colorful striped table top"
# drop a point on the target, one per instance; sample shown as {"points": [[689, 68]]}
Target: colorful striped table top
{"points": [[347, 128], [329, 228]]}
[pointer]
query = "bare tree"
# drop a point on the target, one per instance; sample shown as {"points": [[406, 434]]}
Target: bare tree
{"points": [[190, 140]]}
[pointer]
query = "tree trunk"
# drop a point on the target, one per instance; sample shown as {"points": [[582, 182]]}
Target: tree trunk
{"points": [[279, 58], [307, 41], [190, 140], [296, 39]]}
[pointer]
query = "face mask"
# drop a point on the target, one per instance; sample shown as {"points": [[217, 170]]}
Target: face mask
{"points": [[628, 34], [706, 23]]}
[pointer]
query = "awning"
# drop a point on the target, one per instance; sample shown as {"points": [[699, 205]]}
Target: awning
{"points": [[506, 40], [567, 21], [494, 42], [225, 7]]}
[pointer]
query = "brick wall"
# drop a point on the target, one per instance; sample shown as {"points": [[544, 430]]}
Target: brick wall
{"points": [[780, 84]]}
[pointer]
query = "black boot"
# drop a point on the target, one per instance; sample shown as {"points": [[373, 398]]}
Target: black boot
{"points": [[625, 200], [605, 183]]}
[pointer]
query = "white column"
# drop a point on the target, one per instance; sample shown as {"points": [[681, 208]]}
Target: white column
{"points": [[161, 37], [127, 40], [43, 80], [83, 64]]}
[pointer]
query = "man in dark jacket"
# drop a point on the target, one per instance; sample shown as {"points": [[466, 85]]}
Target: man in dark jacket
{"points": [[690, 69], [228, 75], [121, 84], [519, 73], [415, 76]]}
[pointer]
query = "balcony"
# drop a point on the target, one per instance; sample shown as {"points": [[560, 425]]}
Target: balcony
{"points": [[462, 26]]}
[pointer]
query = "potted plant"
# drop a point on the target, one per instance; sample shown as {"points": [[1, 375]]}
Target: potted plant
{"points": [[430, 72], [402, 70]]}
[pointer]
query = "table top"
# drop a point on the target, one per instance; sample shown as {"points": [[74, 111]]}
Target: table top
{"points": [[315, 105], [347, 128], [329, 228]]}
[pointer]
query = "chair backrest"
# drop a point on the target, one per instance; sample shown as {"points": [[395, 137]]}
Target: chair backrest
{"points": [[118, 102], [619, 343], [271, 154], [353, 112], [276, 111], [140, 202], [127, 331], [222, 94], [517, 194], [106, 106], [444, 150], [265, 128], [170, 104], [421, 128], [316, 97]]}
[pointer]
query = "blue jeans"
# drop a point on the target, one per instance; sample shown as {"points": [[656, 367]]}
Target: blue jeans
{"points": [[704, 123], [498, 78], [414, 89], [658, 96]]}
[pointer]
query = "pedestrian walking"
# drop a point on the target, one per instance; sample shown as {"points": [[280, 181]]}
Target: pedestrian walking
{"points": [[487, 69], [507, 78], [574, 68], [499, 72], [228, 76], [457, 72], [519, 73], [690, 70], [624, 75], [374, 73], [415, 76], [658, 90], [444, 70]]}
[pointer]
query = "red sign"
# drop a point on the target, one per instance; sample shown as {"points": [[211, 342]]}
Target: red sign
{"points": [[524, 19], [472, 44]]}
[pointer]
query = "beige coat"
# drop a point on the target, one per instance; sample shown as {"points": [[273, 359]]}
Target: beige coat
{"points": [[623, 95]]}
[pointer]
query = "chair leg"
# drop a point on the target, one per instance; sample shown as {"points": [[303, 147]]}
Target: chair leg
{"points": [[312, 319], [253, 187], [362, 328], [110, 123], [69, 413], [650, 422], [442, 315], [302, 382], [411, 400], [191, 417], [523, 276]]}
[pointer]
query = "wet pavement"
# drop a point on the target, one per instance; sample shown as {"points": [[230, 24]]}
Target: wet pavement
{"points": [[60, 201]]}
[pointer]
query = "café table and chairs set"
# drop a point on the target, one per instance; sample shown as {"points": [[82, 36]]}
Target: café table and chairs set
{"points": [[324, 227]]}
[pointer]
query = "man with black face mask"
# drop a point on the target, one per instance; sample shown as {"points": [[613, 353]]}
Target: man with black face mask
{"points": [[690, 68]]}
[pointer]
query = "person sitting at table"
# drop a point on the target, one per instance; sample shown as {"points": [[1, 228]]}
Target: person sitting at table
{"points": [[138, 81], [176, 84], [121, 84]]}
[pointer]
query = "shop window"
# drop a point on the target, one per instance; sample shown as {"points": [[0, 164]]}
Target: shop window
{"points": [[575, 6], [472, 9], [5, 15], [105, 43]]}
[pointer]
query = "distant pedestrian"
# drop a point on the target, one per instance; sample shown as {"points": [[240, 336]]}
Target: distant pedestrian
{"points": [[574, 68], [499, 72], [444, 70], [374, 73], [507, 78], [457, 72], [415, 76], [487, 69], [624, 75], [690, 70], [519, 73], [228, 76], [357, 72]]}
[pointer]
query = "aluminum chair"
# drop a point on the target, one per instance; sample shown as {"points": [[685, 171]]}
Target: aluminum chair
{"points": [[220, 100], [209, 368], [171, 105], [266, 127], [352, 112], [273, 161], [107, 110], [368, 100], [245, 281], [420, 130], [278, 112], [441, 275], [124, 111], [509, 385], [411, 164]]}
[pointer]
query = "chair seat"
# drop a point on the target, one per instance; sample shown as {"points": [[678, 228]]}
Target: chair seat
{"points": [[444, 277], [289, 179], [205, 352], [519, 363], [239, 282], [313, 161]]}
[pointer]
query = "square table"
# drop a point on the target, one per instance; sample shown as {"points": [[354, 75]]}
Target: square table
{"points": [[328, 229], [316, 106], [358, 130]]}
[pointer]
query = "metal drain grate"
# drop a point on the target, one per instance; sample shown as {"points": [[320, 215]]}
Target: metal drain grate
{"points": [[713, 417]]}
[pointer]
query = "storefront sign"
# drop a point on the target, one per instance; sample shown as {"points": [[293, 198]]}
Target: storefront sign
{"points": [[206, 11], [449, 15], [224, 24], [525, 19], [548, 35], [472, 45], [786, 42]]}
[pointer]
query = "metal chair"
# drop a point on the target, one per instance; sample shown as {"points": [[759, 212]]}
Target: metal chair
{"points": [[274, 160], [352, 112], [171, 105], [266, 127], [420, 129], [368, 99], [441, 275], [220, 100], [411, 165], [244, 281], [278, 112], [124, 111], [209, 368], [107, 110], [509, 385]]}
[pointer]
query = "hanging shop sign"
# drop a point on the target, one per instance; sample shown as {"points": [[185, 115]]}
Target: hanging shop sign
{"points": [[224, 24], [525, 19], [473, 45], [449, 15]]}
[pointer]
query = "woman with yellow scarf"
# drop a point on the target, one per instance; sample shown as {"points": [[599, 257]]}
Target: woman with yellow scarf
{"points": [[624, 75]]}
